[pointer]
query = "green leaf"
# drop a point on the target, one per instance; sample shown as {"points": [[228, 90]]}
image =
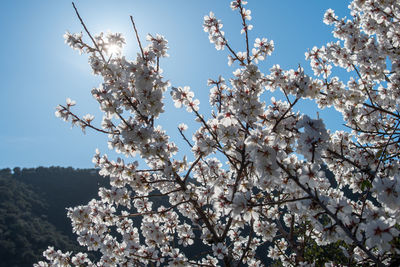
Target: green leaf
{"points": [[365, 184]]}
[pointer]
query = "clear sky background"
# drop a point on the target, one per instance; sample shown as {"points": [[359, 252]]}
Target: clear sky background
{"points": [[38, 71]]}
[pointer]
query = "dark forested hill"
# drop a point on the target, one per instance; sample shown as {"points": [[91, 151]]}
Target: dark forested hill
{"points": [[33, 214]]}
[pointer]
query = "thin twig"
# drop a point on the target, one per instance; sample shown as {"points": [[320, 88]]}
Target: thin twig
{"points": [[246, 33], [137, 37], [87, 31], [184, 138], [86, 124], [190, 169]]}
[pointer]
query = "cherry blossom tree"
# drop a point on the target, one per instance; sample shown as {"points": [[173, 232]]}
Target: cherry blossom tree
{"points": [[258, 183]]}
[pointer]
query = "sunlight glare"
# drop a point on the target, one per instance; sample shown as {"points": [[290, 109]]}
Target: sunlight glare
{"points": [[113, 49]]}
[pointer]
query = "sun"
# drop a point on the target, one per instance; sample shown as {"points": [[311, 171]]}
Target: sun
{"points": [[113, 49]]}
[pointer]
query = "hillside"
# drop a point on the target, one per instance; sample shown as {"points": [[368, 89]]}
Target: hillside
{"points": [[32, 210]]}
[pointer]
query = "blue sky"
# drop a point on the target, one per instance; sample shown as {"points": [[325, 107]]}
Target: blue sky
{"points": [[38, 71]]}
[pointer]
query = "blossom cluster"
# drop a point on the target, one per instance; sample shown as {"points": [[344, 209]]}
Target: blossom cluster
{"points": [[263, 179]]}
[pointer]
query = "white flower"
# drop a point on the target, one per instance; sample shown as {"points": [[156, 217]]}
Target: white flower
{"points": [[88, 118], [182, 127], [220, 250], [70, 102], [380, 232]]}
